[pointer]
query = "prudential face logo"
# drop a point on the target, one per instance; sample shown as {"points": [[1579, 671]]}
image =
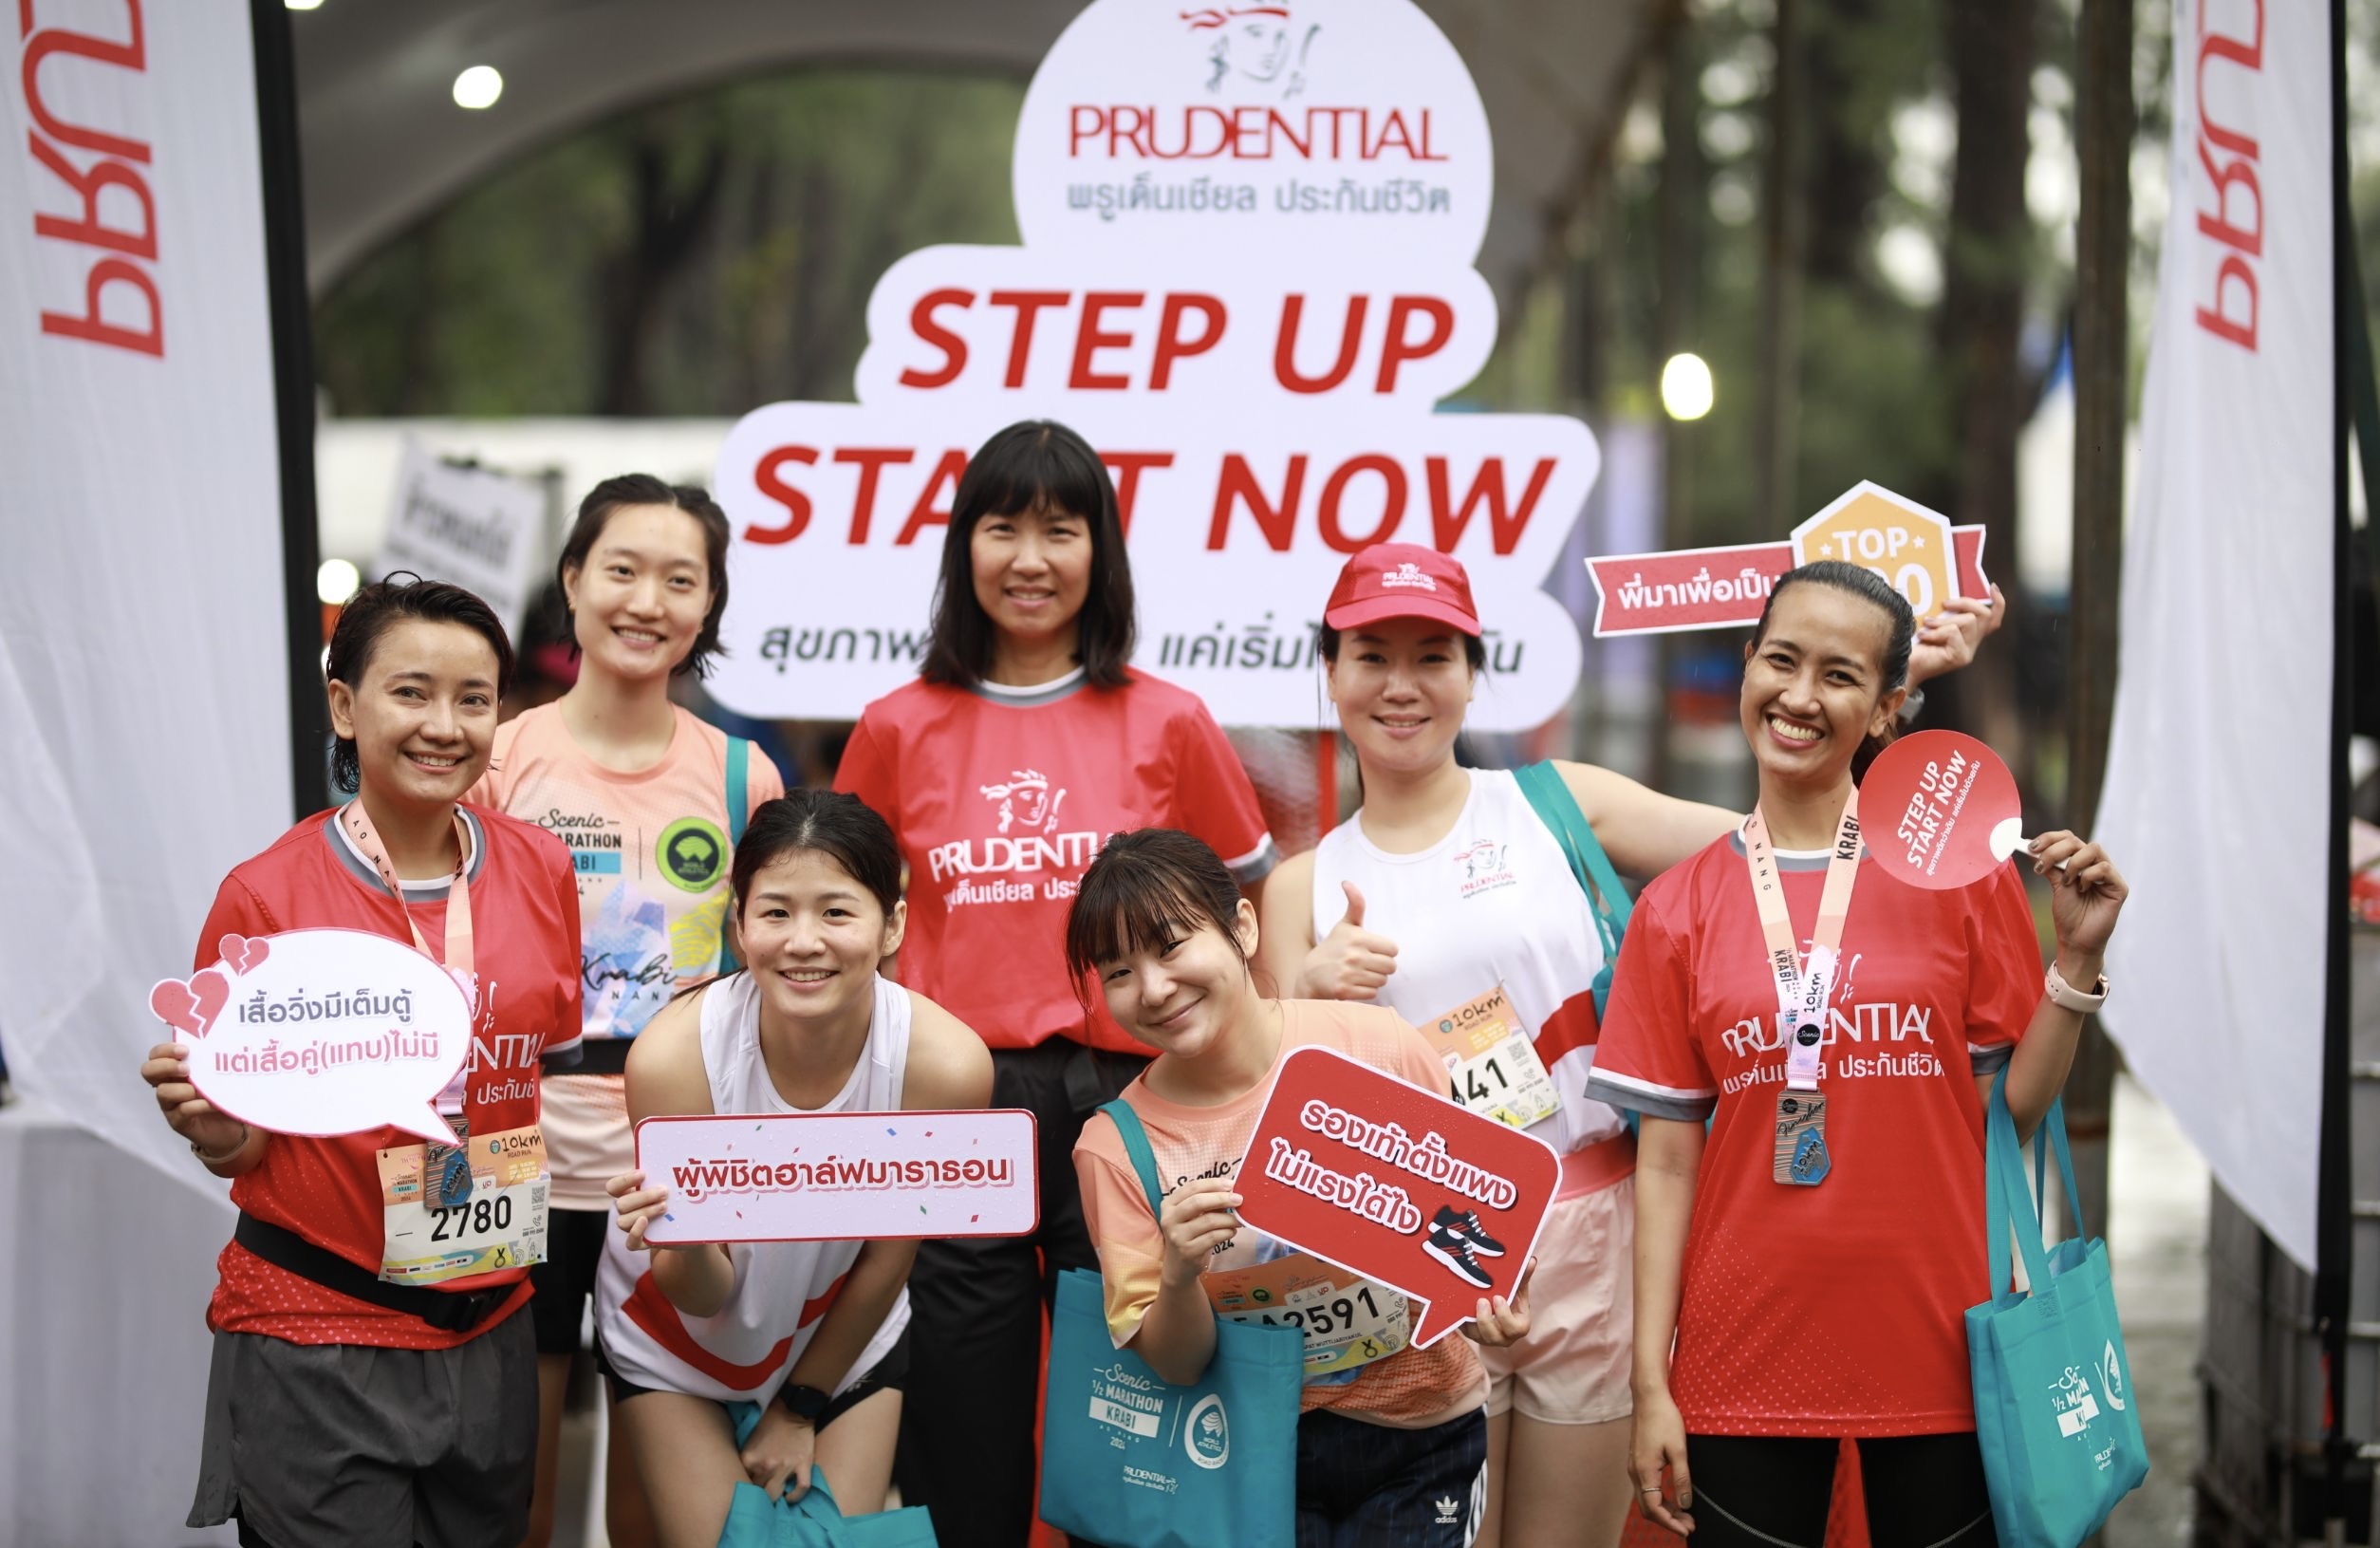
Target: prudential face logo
{"points": [[1206, 1434]]}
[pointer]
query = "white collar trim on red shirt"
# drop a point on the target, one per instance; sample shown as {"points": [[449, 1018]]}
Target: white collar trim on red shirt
{"points": [[1039, 692], [433, 888]]}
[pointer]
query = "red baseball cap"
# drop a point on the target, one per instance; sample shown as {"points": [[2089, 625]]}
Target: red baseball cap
{"points": [[1402, 580]]}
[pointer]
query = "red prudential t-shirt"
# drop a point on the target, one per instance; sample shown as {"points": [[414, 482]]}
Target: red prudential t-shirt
{"points": [[525, 927], [1001, 798], [1834, 1310]]}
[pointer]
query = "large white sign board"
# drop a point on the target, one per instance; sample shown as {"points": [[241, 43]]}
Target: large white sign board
{"points": [[474, 526], [1246, 279]]}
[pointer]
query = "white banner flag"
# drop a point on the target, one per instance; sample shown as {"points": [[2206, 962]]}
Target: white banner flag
{"points": [[143, 664], [2218, 802]]}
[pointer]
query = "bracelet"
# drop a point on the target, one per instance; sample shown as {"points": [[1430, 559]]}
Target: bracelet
{"points": [[205, 1160], [2066, 997]]}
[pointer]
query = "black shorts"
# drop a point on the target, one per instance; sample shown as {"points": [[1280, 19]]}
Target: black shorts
{"points": [[566, 1281], [886, 1375], [1774, 1491], [378, 1447], [1363, 1486]]}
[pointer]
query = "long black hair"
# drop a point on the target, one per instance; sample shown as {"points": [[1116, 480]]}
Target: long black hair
{"points": [[1034, 464], [373, 611], [843, 828], [595, 514], [1149, 887], [1900, 618]]}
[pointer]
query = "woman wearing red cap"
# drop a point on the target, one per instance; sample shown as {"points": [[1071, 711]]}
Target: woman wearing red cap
{"points": [[1024, 744], [1446, 886]]}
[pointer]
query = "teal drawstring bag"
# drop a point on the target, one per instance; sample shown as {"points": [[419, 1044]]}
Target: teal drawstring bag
{"points": [[1131, 1460], [2053, 1403], [755, 1520]]}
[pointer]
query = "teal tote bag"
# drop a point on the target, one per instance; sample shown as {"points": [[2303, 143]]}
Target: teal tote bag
{"points": [[814, 1520], [1133, 1461], [2053, 1403]]}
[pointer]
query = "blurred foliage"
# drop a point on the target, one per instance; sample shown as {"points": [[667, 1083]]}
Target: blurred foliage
{"points": [[695, 257]]}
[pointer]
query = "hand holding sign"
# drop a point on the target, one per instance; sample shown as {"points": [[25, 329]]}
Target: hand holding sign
{"points": [[316, 1032], [1398, 1184]]}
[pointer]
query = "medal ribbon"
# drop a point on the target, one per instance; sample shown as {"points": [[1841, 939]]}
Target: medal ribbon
{"points": [[1802, 992], [358, 824]]}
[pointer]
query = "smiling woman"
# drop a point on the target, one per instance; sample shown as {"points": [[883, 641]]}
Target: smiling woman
{"points": [[327, 1303], [648, 796]]}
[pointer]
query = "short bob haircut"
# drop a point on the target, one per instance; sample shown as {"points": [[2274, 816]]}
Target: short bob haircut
{"points": [[1035, 464], [643, 489], [382, 606], [1147, 887]]}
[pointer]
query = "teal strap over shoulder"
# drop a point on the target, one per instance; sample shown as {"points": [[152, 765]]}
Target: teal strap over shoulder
{"points": [[1550, 798], [737, 800], [1136, 1146]]}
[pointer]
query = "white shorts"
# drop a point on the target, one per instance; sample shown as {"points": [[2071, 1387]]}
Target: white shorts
{"points": [[1572, 1368]]}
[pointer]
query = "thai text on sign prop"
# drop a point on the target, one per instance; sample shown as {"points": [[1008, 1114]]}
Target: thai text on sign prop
{"points": [[1246, 278], [1926, 559], [1396, 1184], [321, 1032], [1939, 809], [840, 1176]]}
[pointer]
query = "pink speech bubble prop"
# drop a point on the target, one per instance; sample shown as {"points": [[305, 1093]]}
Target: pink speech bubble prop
{"points": [[1939, 809], [323, 1031]]}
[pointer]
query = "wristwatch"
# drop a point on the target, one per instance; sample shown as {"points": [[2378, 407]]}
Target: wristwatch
{"points": [[804, 1403], [2066, 996]]}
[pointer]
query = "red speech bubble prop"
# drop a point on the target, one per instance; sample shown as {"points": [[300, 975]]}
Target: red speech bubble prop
{"points": [[1396, 1184], [1939, 809]]}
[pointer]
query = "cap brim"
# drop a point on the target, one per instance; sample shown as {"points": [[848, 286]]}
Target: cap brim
{"points": [[1354, 615]]}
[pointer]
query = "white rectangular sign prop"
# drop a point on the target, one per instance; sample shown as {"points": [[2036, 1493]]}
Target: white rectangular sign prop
{"points": [[474, 526], [1247, 279], [2223, 704], [841, 1176]]}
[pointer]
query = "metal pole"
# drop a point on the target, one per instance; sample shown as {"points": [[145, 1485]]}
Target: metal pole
{"points": [[293, 395], [2335, 1190]]}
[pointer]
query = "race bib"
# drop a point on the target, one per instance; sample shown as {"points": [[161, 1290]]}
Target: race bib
{"points": [[1491, 1061], [1347, 1320], [498, 1222]]}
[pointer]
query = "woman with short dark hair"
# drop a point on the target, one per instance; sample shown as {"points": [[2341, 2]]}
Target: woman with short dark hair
{"points": [[1025, 741]]}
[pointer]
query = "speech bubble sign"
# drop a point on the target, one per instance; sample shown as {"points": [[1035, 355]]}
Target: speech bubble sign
{"points": [[841, 1176], [1939, 809], [1365, 1170], [320, 1032]]}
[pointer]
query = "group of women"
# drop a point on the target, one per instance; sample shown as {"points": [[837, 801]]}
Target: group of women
{"points": [[1699, 1328]]}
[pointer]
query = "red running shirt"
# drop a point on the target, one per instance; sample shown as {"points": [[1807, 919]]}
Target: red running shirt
{"points": [[1834, 1310], [1001, 798], [524, 922]]}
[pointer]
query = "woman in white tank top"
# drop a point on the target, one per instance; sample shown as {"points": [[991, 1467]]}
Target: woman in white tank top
{"points": [[1444, 887], [811, 1332]]}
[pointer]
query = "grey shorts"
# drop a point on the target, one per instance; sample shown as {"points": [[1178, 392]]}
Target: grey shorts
{"points": [[371, 1447]]}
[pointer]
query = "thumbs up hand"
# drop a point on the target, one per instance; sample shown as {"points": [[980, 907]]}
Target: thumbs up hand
{"points": [[1350, 963]]}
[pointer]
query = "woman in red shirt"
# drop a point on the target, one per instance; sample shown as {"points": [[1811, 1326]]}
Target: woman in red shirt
{"points": [[1814, 1257], [344, 1407], [1025, 741]]}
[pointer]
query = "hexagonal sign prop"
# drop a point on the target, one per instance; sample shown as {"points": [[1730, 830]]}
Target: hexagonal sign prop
{"points": [[1894, 536]]}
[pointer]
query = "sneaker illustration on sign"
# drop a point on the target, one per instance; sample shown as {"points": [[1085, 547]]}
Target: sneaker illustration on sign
{"points": [[1454, 1251], [1465, 1223]]}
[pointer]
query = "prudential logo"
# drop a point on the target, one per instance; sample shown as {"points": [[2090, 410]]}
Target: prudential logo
{"points": [[1206, 1433]]}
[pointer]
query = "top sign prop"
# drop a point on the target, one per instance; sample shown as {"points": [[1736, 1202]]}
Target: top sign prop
{"points": [[1924, 557], [1952, 808], [320, 1032], [1246, 279], [1396, 1184]]}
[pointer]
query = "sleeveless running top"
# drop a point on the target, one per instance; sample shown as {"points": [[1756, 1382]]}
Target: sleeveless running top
{"points": [[783, 1289], [1494, 902]]}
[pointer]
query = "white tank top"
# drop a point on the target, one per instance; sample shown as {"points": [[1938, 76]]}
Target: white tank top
{"points": [[782, 1289], [1494, 902]]}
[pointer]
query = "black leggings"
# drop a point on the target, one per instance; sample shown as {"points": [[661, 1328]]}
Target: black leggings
{"points": [[1772, 1491]]}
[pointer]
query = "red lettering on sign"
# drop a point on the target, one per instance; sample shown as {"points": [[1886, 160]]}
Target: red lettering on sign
{"points": [[2232, 315], [1173, 345], [1391, 476], [138, 323], [1238, 485], [1199, 132], [871, 461], [1448, 522], [1027, 305], [770, 477], [954, 348], [1285, 348], [1090, 337], [928, 511], [1126, 469], [1397, 347]]}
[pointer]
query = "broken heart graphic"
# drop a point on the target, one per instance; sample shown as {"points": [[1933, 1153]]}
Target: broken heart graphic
{"points": [[242, 952], [190, 1006]]}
